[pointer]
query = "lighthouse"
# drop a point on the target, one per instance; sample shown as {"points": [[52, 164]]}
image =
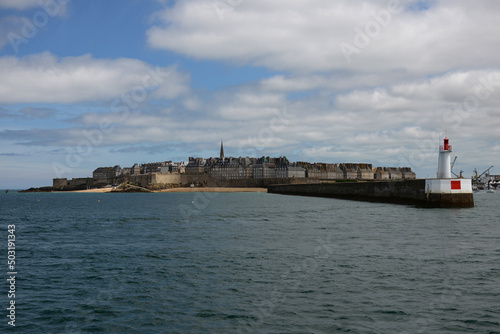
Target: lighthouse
{"points": [[449, 192], [444, 163]]}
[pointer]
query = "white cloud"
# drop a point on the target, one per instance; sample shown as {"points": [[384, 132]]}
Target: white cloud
{"points": [[49, 8], [305, 36], [248, 104], [45, 78], [429, 71], [19, 4], [393, 124], [293, 84]]}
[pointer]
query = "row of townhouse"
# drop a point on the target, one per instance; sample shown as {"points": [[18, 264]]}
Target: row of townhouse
{"points": [[160, 167], [245, 168], [394, 173], [258, 168], [109, 174], [266, 167], [339, 171]]}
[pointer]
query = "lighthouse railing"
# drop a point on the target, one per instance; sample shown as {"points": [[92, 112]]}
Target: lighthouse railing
{"points": [[441, 148]]}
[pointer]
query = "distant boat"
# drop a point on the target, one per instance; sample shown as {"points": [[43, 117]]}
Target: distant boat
{"points": [[6, 191]]}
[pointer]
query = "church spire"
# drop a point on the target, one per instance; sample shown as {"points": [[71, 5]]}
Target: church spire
{"points": [[221, 150]]}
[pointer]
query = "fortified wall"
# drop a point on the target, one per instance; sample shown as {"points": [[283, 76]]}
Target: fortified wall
{"points": [[156, 178], [205, 180]]}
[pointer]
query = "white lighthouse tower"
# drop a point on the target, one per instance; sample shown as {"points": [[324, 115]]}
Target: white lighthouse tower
{"points": [[444, 163]]}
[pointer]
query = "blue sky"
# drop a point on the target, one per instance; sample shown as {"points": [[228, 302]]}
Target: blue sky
{"points": [[99, 83]]}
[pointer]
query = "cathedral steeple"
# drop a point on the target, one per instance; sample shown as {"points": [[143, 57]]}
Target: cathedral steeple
{"points": [[221, 150]]}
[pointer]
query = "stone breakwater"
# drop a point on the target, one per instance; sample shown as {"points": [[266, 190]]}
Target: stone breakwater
{"points": [[409, 192]]}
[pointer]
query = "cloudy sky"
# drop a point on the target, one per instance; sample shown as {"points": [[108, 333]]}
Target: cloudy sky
{"points": [[98, 83]]}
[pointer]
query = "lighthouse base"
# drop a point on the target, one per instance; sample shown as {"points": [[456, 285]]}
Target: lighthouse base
{"points": [[449, 193], [451, 200]]}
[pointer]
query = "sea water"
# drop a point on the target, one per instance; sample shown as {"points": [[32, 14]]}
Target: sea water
{"points": [[248, 263]]}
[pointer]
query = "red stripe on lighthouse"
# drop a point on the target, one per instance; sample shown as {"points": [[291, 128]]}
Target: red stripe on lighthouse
{"points": [[456, 185]]}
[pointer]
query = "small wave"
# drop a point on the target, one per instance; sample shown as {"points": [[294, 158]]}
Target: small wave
{"points": [[391, 312]]}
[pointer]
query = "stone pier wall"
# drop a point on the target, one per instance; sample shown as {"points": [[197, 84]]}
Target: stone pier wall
{"points": [[412, 192]]}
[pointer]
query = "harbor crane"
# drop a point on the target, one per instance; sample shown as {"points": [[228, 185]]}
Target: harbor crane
{"points": [[476, 179], [461, 172], [453, 164]]}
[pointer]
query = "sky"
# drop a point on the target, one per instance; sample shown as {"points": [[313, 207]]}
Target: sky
{"points": [[89, 83]]}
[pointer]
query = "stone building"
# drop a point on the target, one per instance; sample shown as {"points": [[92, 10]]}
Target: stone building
{"points": [[59, 182], [290, 171], [394, 173], [63, 182], [195, 166], [127, 170], [106, 173], [157, 167], [264, 168], [380, 173], [136, 169], [230, 168], [365, 172], [350, 171], [323, 171], [408, 174]]}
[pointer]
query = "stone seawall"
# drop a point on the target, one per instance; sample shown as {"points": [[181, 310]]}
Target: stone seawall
{"points": [[206, 180], [411, 192]]}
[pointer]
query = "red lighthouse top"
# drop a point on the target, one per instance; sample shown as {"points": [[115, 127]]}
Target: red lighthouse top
{"points": [[446, 146]]}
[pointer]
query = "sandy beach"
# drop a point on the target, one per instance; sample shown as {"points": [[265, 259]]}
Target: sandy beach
{"points": [[213, 190], [101, 190], [184, 190]]}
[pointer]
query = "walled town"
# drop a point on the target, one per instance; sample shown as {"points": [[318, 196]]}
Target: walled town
{"points": [[232, 172]]}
